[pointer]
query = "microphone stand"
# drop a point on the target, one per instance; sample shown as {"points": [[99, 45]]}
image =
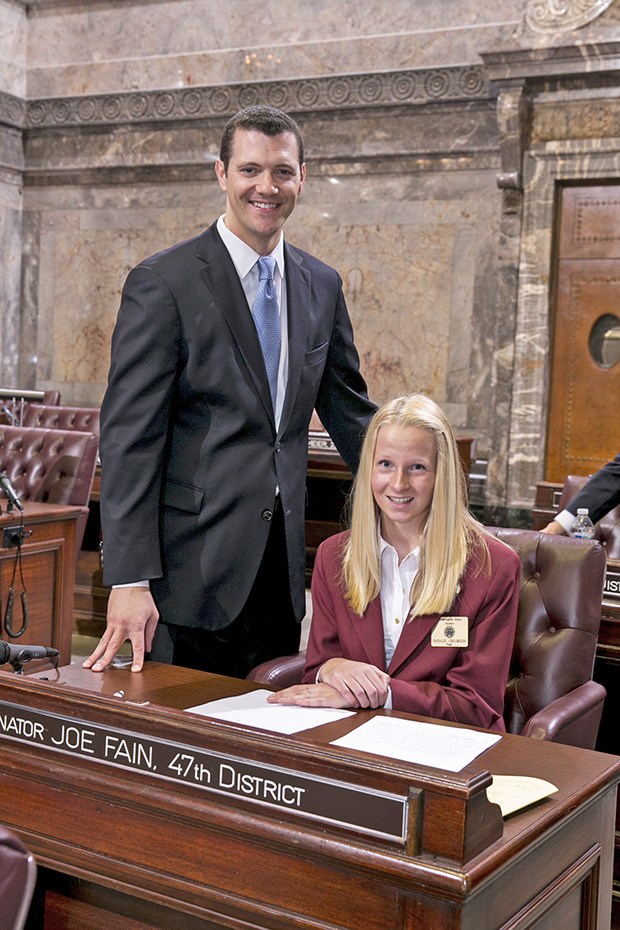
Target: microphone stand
{"points": [[17, 663]]}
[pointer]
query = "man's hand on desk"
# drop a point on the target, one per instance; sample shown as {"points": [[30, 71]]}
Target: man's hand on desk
{"points": [[344, 683], [554, 528], [133, 616]]}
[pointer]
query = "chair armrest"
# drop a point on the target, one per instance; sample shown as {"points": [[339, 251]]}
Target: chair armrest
{"points": [[281, 672], [18, 874], [573, 718]]}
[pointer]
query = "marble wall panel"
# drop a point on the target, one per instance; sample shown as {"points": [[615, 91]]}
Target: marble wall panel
{"points": [[13, 45], [408, 264], [87, 30], [122, 147], [11, 155], [141, 45], [251, 64], [335, 142], [409, 257], [88, 239], [10, 280], [591, 116]]}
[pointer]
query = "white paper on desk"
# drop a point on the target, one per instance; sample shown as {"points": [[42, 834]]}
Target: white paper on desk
{"points": [[253, 710], [448, 748]]}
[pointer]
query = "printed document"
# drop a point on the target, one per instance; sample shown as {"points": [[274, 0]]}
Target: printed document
{"points": [[448, 748], [253, 710]]}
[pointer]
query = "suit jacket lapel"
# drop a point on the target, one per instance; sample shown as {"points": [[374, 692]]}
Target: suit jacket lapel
{"points": [[221, 278], [298, 311], [369, 630], [413, 634]]}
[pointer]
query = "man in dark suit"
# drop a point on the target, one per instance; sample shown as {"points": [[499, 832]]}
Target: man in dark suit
{"points": [[600, 495], [203, 461]]}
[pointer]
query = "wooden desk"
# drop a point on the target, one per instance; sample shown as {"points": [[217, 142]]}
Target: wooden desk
{"points": [[48, 569], [142, 815]]}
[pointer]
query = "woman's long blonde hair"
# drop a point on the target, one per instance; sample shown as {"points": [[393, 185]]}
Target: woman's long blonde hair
{"points": [[450, 533]]}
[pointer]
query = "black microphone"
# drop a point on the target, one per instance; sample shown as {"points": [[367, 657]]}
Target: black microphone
{"points": [[9, 415], [12, 653], [9, 490]]}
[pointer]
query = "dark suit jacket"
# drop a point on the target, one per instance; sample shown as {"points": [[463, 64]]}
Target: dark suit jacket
{"points": [[466, 685], [602, 492], [190, 456]]}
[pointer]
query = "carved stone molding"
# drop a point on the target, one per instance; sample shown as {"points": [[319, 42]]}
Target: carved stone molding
{"points": [[563, 15], [12, 111], [396, 88], [512, 120]]}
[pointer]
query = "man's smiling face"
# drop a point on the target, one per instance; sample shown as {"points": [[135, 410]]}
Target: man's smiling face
{"points": [[262, 184]]}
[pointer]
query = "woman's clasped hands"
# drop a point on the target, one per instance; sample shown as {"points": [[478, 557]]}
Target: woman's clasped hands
{"points": [[342, 683]]}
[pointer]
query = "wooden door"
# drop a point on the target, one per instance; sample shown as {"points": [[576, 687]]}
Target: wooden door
{"points": [[583, 431]]}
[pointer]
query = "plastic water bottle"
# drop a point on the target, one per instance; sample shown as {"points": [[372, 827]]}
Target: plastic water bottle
{"points": [[582, 526]]}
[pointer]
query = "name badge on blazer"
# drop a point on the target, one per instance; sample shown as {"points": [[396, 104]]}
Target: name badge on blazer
{"points": [[451, 631]]}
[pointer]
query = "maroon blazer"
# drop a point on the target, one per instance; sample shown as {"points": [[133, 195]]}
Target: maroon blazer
{"points": [[465, 684]]}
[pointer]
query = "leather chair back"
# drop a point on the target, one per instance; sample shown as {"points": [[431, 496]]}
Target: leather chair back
{"points": [[558, 621], [13, 403], [44, 416], [607, 530], [49, 465], [18, 872]]}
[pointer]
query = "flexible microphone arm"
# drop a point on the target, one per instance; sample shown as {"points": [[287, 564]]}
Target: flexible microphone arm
{"points": [[17, 655], [9, 490]]}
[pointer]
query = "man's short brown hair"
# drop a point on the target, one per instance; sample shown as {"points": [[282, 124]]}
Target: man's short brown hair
{"points": [[268, 120]]}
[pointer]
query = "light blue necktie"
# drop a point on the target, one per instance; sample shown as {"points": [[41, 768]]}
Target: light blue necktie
{"points": [[267, 321]]}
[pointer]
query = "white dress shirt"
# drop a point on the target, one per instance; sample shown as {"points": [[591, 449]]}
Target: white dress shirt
{"points": [[396, 581], [244, 259], [566, 519]]}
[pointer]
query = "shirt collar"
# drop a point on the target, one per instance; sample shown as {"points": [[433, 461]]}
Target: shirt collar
{"points": [[386, 547], [244, 257]]}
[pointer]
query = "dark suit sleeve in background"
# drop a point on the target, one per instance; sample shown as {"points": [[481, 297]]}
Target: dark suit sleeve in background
{"points": [[134, 421], [602, 492]]}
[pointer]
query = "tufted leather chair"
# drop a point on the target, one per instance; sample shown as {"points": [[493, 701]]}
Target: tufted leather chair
{"points": [[49, 465], [44, 416], [550, 693], [18, 872], [13, 402], [607, 530]]}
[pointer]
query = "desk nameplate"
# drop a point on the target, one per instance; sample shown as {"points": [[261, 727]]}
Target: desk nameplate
{"points": [[611, 591], [368, 811]]}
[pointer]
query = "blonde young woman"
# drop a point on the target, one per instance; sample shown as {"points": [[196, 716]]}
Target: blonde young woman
{"points": [[415, 607]]}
